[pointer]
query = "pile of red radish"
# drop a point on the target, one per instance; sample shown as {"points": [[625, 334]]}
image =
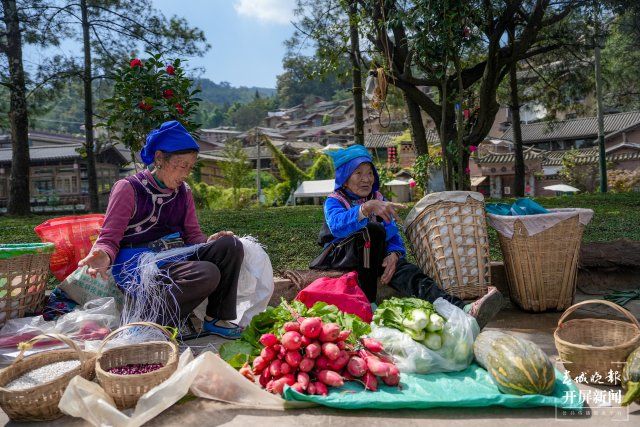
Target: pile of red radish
{"points": [[312, 355]]}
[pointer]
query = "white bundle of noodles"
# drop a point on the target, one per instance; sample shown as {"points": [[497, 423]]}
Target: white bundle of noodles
{"points": [[151, 292], [154, 291]]}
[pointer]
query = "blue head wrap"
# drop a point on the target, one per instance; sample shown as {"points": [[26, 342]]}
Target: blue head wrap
{"points": [[346, 161], [170, 137]]}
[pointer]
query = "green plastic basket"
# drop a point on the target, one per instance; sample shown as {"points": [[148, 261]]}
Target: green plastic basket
{"points": [[24, 270]]}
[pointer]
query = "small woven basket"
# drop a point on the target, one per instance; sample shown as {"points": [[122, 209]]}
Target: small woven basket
{"points": [[596, 345], [24, 270], [40, 403], [542, 269], [126, 390], [450, 242]]}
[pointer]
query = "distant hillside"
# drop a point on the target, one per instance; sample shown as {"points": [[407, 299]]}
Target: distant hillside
{"points": [[65, 113], [223, 93]]}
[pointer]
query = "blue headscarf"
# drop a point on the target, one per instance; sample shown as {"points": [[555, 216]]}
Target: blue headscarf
{"points": [[170, 137], [347, 160]]}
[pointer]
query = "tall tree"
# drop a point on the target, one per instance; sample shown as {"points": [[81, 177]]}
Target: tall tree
{"points": [[109, 29], [19, 203], [356, 73], [514, 106], [22, 22], [306, 76], [428, 37]]}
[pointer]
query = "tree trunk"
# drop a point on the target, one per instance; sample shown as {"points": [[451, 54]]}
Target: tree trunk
{"points": [[356, 74], [445, 136], [418, 133], [602, 159], [94, 203], [460, 158], [518, 185], [19, 203]]}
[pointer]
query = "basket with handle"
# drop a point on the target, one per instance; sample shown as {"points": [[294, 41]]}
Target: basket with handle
{"points": [[126, 390], [24, 270], [448, 234], [40, 403], [595, 345]]}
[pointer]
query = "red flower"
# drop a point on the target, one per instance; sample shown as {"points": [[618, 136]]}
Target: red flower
{"points": [[179, 109], [473, 148], [144, 106], [412, 183], [467, 170], [367, 244], [171, 70], [167, 93], [135, 63]]}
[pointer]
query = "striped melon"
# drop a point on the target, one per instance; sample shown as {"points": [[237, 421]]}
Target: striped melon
{"points": [[631, 378], [516, 365]]}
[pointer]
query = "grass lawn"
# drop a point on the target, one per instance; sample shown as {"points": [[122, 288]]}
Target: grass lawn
{"points": [[289, 233]]}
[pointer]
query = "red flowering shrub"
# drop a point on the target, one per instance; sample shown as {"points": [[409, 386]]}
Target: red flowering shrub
{"points": [[146, 94]]}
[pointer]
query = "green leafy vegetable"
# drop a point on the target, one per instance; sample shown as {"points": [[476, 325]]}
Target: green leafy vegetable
{"points": [[412, 316], [273, 319]]}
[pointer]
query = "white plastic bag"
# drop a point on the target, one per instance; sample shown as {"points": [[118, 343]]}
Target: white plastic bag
{"points": [[255, 283], [456, 354], [82, 287], [82, 324]]}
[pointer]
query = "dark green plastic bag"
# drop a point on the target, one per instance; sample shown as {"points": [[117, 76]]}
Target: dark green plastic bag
{"points": [[472, 387]]}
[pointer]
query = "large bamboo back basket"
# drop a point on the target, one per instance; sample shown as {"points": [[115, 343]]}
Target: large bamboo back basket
{"points": [[542, 269], [596, 345], [448, 234]]}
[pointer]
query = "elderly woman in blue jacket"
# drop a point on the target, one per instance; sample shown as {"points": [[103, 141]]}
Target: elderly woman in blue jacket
{"points": [[360, 233]]}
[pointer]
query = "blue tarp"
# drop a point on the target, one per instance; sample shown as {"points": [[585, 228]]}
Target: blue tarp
{"points": [[472, 387]]}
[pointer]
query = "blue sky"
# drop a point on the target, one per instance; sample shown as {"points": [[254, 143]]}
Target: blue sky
{"points": [[246, 38], [245, 35]]}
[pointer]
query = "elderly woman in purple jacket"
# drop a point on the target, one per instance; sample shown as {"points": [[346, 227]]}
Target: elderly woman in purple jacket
{"points": [[150, 209]]}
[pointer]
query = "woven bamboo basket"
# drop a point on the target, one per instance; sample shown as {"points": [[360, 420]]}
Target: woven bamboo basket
{"points": [[542, 269], [450, 242], [40, 403], [24, 270], [126, 390], [596, 345]]}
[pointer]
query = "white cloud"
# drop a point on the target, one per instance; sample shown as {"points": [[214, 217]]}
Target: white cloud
{"points": [[274, 11]]}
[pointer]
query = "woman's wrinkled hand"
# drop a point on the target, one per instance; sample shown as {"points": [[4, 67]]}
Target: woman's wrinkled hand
{"points": [[389, 263], [219, 234], [385, 210], [98, 262]]}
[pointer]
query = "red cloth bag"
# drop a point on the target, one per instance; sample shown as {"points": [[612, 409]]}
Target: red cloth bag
{"points": [[343, 292], [73, 237]]}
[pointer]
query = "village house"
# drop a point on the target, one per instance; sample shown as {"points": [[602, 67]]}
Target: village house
{"points": [[211, 168], [214, 138], [388, 148], [58, 173], [492, 171]]}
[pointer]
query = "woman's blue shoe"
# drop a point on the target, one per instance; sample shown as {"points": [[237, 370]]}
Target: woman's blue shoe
{"points": [[232, 333]]}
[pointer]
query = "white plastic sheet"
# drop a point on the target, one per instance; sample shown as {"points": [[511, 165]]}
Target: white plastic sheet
{"points": [[207, 376], [535, 224], [456, 354]]}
